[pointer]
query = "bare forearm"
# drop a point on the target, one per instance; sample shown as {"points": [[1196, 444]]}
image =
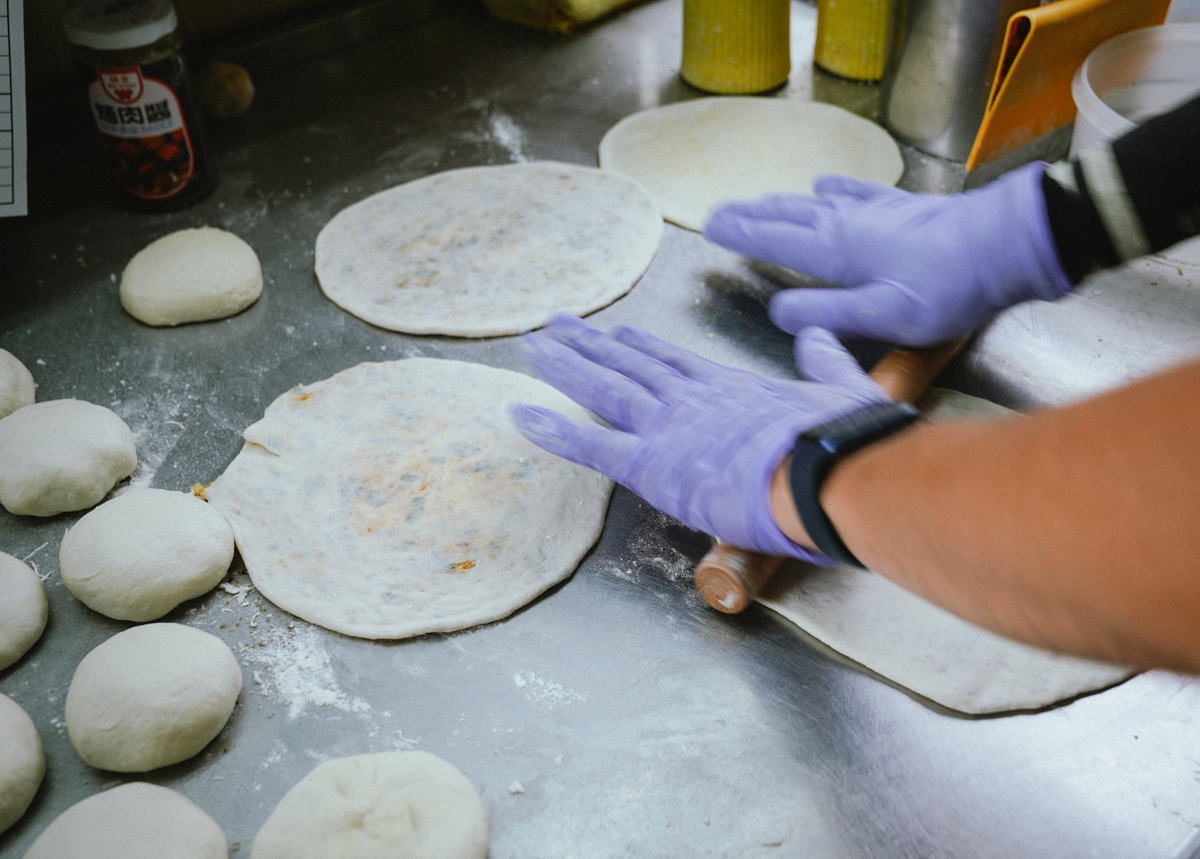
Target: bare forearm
{"points": [[1076, 529]]}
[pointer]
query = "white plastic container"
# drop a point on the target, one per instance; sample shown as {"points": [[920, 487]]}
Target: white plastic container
{"points": [[1132, 77]]}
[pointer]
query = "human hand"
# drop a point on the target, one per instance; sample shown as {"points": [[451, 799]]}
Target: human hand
{"points": [[697, 440], [922, 268]]}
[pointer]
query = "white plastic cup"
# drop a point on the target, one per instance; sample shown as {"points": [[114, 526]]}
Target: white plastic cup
{"points": [[1133, 77]]}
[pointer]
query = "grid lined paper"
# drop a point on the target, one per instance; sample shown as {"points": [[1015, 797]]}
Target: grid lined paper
{"points": [[12, 110]]}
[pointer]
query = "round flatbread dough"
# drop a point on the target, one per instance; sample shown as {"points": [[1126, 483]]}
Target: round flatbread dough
{"points": [[141, 554], [22, 762], [398, 499], [191, 276], [62, 455], [151, 696], [16, 384], [377, 806], [23, 609], [133, 821], [486, 251], [693, 155]]}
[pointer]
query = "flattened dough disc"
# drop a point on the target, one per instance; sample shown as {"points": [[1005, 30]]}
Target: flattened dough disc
{"points": [[695, 154], [398, 499], [921, 647], [488, 251]]}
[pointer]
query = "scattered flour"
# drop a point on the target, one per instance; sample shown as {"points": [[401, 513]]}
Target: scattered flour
{"points": [[546, 693], [296, 668]]}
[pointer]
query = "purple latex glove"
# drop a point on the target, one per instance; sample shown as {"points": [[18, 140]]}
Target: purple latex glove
{"points": [[697, 440], [923, 268]]}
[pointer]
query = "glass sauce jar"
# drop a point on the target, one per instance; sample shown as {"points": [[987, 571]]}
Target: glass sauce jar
{"points": [[142, 99]]}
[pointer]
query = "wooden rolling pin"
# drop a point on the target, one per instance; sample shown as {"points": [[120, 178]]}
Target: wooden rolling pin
{"points": [[729, 578]]}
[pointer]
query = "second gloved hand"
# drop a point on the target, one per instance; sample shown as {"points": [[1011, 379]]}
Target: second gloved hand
{"points": [[922, 268], [697, 440]]}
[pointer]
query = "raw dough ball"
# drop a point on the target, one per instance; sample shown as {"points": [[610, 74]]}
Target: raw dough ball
{"points": [[16, 384], [141, 554], [62, 455], [191, 276], [151, 696], [133, 821], [378, 806], [22, 763], [23, 609], [485, 251]]}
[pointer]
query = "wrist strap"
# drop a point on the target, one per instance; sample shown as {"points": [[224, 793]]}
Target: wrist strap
{"points": [[816, 452]]}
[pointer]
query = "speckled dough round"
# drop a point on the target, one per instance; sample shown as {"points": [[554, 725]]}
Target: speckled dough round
{"points": [[62, 455], [695, 154], [133, 821], [487, 251], [377, 806], [397, 499]]}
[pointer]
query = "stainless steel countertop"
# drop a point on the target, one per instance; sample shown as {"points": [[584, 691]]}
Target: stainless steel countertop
{"points": [[616, 715]]}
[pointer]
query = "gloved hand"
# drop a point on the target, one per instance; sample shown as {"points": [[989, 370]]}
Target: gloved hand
{"points": [[923, 268], [697, 440]]}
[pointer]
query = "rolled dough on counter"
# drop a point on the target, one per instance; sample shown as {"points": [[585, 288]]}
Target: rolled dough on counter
{"points": [[923, 648], [487, 251], [397, 499], [692, 155]]}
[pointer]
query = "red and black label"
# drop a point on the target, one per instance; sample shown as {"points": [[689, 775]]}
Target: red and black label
{"points": [[147, 129]]}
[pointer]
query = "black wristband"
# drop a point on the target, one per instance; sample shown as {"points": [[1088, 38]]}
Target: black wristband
{"points": [[816, 452]]}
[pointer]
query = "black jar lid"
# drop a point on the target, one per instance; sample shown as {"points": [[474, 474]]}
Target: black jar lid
{"points": [[114, 25]]}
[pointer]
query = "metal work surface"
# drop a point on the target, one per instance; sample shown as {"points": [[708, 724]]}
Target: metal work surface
{"points": [[616, 715]]}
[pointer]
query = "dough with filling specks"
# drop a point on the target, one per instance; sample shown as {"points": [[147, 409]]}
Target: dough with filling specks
{"points": [[62, 455], [141, 554], [23, 609], [22, 761], [397, 499], [133, 821], [377, 806], [151, 696], [693, 155], [192, 275], [17, 388], [485, 251]]}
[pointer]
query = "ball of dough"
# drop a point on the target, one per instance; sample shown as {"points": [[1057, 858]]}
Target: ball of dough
{"points": [[191, 276], [377, 806], [225, 89], [16, 384], [141, 554], [133, 821], [22, 763], [62, 455], [151, 696], [23, 609]]}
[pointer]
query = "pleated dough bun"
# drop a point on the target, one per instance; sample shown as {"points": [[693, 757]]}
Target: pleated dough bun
{"points": [[191, 276]]}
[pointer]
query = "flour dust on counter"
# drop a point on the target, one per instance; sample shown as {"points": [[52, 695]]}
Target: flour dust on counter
{"points": [[397, 499], [694, 155], [489, 251]]}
